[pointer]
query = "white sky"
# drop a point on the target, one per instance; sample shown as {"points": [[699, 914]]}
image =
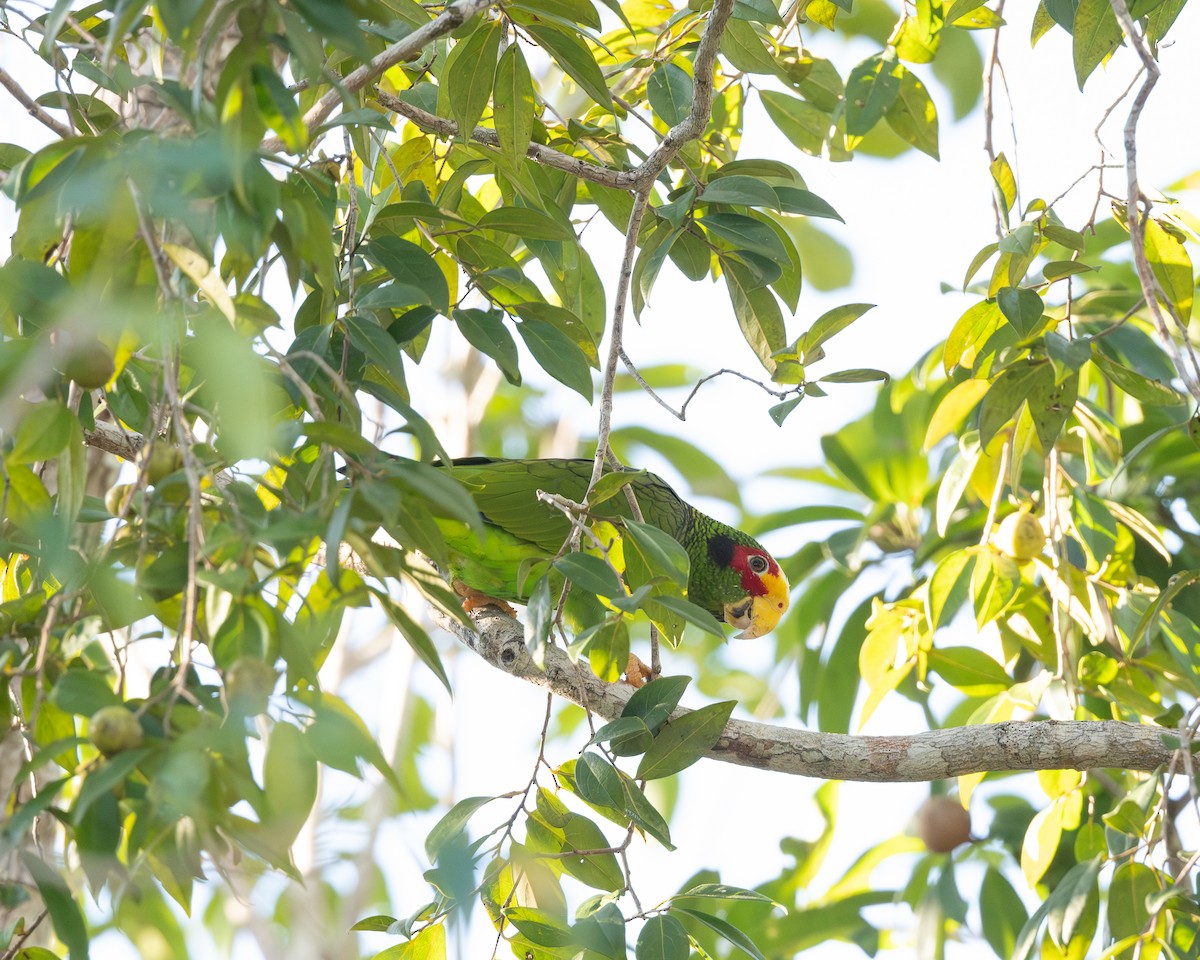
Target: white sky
{"points": [[911, 223]]}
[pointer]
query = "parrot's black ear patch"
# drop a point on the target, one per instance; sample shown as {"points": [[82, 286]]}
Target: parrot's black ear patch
{"points": [[720, 549]]}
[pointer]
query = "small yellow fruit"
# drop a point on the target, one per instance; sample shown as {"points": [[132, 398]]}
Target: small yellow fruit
{"points": [[943, 824], [114, 729], [1020, 536], [118, 497], [162, 461]]}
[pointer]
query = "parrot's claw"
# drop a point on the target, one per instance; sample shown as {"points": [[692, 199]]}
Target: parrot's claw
{"points": [[474, 599], [636, 672]]}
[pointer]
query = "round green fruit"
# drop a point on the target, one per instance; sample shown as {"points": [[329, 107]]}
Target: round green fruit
{"points": [[162, 461], [118, 497], [114, 729], [90, 364], [1021, 536]]}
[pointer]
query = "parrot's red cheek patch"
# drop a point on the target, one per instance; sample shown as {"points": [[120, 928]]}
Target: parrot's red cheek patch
{"points": [[745, 560]]}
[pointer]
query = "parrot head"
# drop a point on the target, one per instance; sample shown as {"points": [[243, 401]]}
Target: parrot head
{"points": [[748, 590]]}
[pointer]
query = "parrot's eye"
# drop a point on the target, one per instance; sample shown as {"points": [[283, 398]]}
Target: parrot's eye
{"points": [[759, 564]]}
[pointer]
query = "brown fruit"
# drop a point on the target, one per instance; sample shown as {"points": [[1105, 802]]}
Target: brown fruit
{"points": [[943, 824], [89, 363], [114, 729]]}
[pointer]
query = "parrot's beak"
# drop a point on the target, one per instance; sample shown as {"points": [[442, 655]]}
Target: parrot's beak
{"points": [[757, 616]]}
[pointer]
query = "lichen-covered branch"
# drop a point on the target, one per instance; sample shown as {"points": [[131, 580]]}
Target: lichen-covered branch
{"points": [[934, 755]]}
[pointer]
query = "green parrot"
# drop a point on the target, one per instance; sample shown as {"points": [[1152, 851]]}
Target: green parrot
{"points": [[731, 575]]}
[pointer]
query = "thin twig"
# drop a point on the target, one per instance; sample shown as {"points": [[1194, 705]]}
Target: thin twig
{"points": [[32, 107], [547, 156], [455, 15], [681, 413], [1184, 357]]}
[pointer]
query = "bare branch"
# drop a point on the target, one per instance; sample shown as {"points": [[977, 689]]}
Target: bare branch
{"points": [[115, 440], [935, 755], [453, 16], [1184, 357], [32, 106]]}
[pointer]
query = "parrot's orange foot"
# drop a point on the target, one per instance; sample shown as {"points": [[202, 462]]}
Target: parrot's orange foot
{"points": [[636, 672], [474, 599]]}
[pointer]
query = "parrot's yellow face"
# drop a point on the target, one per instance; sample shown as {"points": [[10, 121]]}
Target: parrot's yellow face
{"points": [[766, 600]]}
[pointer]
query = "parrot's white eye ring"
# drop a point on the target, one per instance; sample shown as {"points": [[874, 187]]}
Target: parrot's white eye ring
{"points": [[759, 564]]}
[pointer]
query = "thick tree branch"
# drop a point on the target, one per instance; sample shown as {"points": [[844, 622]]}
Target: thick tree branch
{"points": [[935, 755], [409, 48]]}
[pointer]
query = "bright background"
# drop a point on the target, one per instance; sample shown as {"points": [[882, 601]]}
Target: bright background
{"points": [[912, 225]]}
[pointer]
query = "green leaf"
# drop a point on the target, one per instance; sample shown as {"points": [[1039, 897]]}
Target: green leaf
{"points": [[1021, 307], [805, 125], [576, 61], [42, 434], [969, 670], [452, 824], [65, 914], [742, 46], [1005, 183], [912, 114], [1059, 269], [487, 333], [685, 740], [745, 233], [538, 926], [725, 929], [659, 554], [1132, 883], [1005, 913], [1141, 388], [669, 91], [598, 781], [525, 222], [805, 203], [780, 411], [602, 870], [513, 104], [1172, 269], [375, 343], [289, 783], [721, 891], [948, 586], [748, 191], [591, 573], [656, 701], [663, 938], [1095, 36], [83, 692], [408, 263], [856, 375], [469, 75], [758, 313], [871, 89], [690, 613], [828, 325], [558, 355]]}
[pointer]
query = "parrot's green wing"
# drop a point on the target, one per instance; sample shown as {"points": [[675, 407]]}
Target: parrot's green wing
{"points": [[506, 493]]}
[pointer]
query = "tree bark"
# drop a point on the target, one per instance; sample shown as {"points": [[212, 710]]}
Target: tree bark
{"points": [[932, 755]]}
